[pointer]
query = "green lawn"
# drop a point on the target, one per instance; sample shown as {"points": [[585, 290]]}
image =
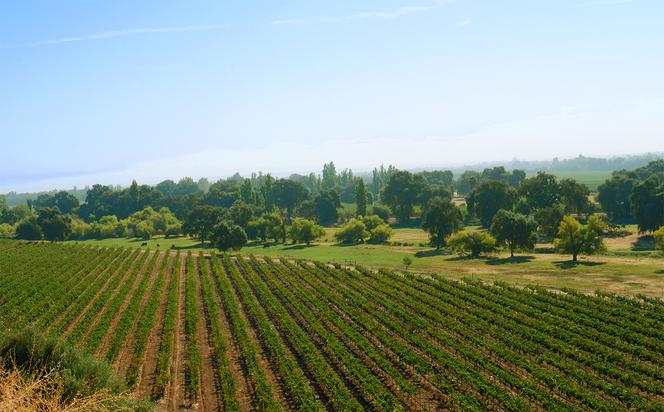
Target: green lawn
{"points": [[590, 178], [620, 270]]}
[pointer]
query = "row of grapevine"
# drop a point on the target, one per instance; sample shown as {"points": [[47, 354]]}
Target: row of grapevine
{"points": [[265, 334]]}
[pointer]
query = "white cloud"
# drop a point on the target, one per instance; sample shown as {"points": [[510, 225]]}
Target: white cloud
{"points": [[381, 14], [113, 34], [465, 22], [603, 3], [591, 129]]}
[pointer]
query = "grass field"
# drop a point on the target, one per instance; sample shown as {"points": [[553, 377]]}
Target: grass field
{"points": [[590, 178], [213, 332], [620, 270]]}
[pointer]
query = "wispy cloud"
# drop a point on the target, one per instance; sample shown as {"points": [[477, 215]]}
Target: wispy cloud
{"points": [[465, 22], [603, 3], [380, 14], [112, 34]]}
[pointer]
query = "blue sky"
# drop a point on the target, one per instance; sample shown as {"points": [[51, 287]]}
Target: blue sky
{"points": [[98, 91]]}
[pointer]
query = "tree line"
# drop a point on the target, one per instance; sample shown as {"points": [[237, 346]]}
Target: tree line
{"points": [[514, 210]]}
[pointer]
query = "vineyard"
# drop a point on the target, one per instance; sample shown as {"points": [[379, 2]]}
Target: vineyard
{"points": [[249, 333]]}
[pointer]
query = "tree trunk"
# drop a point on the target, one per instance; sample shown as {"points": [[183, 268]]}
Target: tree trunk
{"points": [[574, 257]]}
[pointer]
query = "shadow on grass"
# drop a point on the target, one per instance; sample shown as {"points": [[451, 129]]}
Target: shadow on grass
{"points": [[432, 252], [194, 246], [644, 243], [660, 272], [299, 247], [510, 260], [568, 264], [470, 258]]}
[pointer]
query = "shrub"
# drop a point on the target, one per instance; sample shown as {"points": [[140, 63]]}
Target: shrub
{"points": [[659, 238], [352, 232], [471, 243], [372, 221], [7, 231], [305, 230], [381, 211], [381, 234], [29, 229], [226, 235]]}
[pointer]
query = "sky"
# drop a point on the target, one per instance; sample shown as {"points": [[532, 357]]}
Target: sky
{"points": [[96, 91]]}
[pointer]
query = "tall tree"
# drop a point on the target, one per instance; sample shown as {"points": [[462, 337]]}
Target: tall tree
{"points": [[329, 176], [65, 201], [54, 224], [614, 196], [541, 190], [361, 197], [441, 218], [29, 229], [226, 235], [514, 230], [201, 220], [289, 194], [647, 200], [488, 198], [402, 192], [575, 238], [574, 196], [326, 203]]}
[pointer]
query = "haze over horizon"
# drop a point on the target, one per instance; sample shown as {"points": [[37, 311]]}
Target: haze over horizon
{"points": [[105, 92]]}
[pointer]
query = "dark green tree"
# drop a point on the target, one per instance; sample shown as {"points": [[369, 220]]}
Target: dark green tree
{"points": [[514, 230], [441, 218], [574, 196], [54, 225], [65, 201], [226, 236], [488, 198], [29, 229], [647, 200], [614, 195], [201, 220], [541, 190], [288, 195], [402, 193], [361, 197]]}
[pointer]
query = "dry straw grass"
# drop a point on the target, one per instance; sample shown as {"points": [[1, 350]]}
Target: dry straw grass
{"points": [[30, 393]]}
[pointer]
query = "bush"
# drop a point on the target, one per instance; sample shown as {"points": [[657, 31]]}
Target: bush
{"points": [[144, 230], [381, 211], [381, 234], [29, 229], [7, 231], [372, 221], [226, 235], [304, 230], [468, 243], [352, 232], [659, 238], [38, 355]]}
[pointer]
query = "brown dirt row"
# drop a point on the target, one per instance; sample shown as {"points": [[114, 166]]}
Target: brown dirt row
{"points": [[123, 306], [175, 394], [100, 291], [126, 353], [85, 289], [263, 359], [207, 397], [385, 377], [242, 389], [345, 375], [287, 346], [430, 394], [147, 375]]}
